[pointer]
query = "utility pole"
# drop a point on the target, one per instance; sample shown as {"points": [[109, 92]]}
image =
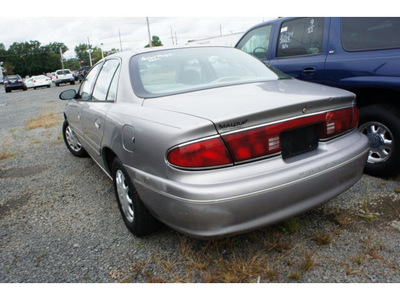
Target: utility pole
{"points": [[62, 63], [148, 30], [90, 56], [120, 42]]}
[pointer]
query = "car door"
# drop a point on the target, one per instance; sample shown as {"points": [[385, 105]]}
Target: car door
{"points": [[74, 113], [94, 111], [301, 48]]}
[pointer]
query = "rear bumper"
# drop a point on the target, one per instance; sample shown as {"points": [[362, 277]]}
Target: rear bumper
{"points": [[65, 80], [10, 87], [245, 197]]}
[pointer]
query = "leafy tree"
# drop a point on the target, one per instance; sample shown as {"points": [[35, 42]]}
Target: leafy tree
{"points": [[30, 58], [155, 42], [83, 55], [72, 64]]}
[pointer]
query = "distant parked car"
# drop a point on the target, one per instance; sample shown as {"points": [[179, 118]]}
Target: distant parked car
{"points": [[38, 81], [64, 76], [210, 141], [82, 72], [14, 82]]}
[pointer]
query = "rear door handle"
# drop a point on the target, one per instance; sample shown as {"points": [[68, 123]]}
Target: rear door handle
{"points": [[310, 71]]}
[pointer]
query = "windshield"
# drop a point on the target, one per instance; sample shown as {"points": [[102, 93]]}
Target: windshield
{"points": [[63, 72], [168, 72]]}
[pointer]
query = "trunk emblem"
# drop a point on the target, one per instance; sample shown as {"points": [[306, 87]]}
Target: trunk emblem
{"points": [[304, 110]]}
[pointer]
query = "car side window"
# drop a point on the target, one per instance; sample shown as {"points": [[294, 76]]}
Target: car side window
{"points": [[256, 42], [363, 34], [300, 37], [85, 91], [104, 80], [112, 92]]}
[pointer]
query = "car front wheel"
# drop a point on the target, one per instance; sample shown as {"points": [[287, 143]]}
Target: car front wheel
{"points": [[135, 215], [382, 127], [72, 142]]}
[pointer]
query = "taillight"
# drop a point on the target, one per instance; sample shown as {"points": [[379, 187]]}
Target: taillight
{"points": [[19, 80], [56, 77], [258, 142], [202, 154]]}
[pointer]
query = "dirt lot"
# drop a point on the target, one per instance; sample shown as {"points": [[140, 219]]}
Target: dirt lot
{"points": [[59, 222]]}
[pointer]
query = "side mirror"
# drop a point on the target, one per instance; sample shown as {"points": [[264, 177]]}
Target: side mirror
{"points": [[68, 95]]}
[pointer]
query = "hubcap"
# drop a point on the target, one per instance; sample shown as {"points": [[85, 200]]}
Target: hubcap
{"points": [[72, 140], [380, 141], [123, 196]]}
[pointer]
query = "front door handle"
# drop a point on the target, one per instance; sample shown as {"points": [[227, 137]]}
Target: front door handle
{"points": [[310, 71], [97, 123]]}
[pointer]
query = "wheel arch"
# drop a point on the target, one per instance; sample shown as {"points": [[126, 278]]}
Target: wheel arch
{"points": [[108, 157], [373, 96]]}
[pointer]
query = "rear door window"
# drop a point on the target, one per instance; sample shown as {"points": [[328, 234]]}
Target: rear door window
{"points": [[361, 34], [104, 80], [300, 37]]}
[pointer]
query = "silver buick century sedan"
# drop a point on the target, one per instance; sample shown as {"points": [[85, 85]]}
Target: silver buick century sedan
{"points": [[210, 141]]}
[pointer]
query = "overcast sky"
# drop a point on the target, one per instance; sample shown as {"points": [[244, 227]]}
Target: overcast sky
{"points": [[133, 30], [74, 22]]}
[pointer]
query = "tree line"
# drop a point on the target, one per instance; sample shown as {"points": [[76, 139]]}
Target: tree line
{"points": [[31, 58]]}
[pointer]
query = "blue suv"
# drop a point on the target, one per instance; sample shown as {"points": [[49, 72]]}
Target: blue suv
{"points": [[360, 54]]}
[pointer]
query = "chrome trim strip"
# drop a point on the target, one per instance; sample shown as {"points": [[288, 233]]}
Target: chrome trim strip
{"points": [[253, 193], [281, 121]]}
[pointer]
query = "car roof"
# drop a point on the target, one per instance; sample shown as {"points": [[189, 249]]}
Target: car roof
{"points": [[127, 54]]}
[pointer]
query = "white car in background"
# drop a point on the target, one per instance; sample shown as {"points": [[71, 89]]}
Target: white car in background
{"points": [[38, 81]]}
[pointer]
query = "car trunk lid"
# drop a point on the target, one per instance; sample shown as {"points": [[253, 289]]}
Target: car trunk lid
{"points": [[247, 105]]}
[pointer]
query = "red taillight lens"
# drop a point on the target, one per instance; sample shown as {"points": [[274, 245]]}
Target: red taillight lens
{"points": [[258, 142], [253, 143], [207, 153], [56, 77], [19, 80], [337, 122]]}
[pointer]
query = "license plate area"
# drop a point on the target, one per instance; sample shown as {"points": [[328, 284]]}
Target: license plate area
{"points": [[299, 141]]}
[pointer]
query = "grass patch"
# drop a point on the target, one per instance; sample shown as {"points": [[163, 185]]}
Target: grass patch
{"points": [[46, 120], [308, 262], [323, 237], [5, 154], [290, 226]]}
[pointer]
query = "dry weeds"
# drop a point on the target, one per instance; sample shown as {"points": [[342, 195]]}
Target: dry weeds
{"points": [[46, 120]]}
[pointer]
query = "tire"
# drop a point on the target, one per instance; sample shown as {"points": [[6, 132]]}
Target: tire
{"points": [[72, 142], [57, 84], [72, 83], [381, 125], [34, 88], [7, 90], [135, 215]]}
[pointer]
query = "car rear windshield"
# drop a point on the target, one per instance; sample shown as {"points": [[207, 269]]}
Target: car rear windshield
{"points": [[63, 72], [12, 77], [168, 72]]}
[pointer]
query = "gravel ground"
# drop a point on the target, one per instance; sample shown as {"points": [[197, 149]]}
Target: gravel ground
{"points": [[59, 222]]}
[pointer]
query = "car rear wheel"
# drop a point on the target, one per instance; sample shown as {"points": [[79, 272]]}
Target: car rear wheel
{"points": [[7, 90], [382, 127], [135, 215], [72, 142]]}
